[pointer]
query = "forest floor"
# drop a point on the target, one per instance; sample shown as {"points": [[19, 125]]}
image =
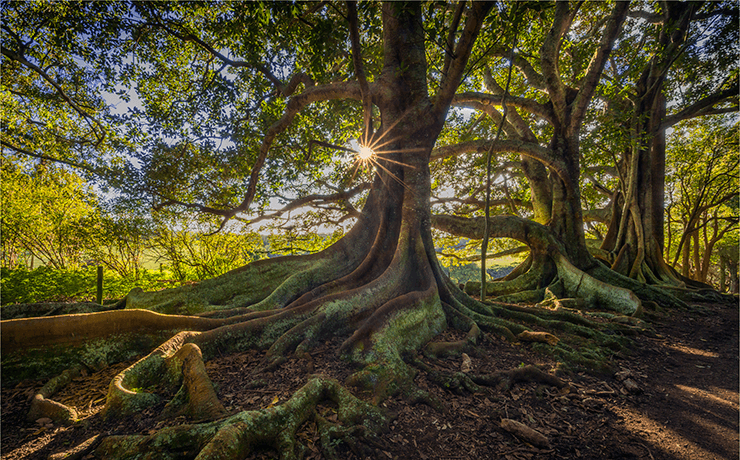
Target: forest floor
{"points": [[685, 405]]}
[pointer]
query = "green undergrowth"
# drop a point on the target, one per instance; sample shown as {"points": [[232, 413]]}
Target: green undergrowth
{"points": [[46, 284]]}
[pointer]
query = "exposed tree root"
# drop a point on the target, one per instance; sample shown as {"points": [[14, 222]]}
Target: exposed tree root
{"points": [[77, 328], [380, 289], [235, 436], [462, 382], [43, 406]]}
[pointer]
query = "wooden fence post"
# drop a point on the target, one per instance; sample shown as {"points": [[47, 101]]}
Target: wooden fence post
{"points": [[100, 285]]}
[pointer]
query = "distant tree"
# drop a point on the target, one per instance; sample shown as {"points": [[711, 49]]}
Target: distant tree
{"points": [[191, 251], [671, 66], [704, 173], [45, 209]]}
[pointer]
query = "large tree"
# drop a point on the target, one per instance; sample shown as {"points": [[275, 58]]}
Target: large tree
{"points": [[228, 118], [680, 54]]}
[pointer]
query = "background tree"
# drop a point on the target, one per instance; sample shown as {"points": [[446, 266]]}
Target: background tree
{"points": [[44, 211], [668, 57], [703, 208]]}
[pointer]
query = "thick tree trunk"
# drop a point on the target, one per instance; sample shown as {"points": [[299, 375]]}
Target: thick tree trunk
{"points": [[566, 221], [639, 244]]}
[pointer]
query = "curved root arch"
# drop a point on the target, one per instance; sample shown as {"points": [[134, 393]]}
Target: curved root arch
{"points": [[548, 274]]}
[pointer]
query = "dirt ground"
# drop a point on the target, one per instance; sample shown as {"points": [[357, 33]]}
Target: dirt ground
{"points": [[684, 404]]}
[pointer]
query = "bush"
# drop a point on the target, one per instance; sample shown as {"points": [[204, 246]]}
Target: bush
{"points": [[45, 284]]}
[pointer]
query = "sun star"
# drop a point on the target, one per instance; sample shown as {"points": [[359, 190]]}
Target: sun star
{"points": [[365, 153]]}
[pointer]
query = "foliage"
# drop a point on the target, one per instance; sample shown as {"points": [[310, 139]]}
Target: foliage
{"points": [[46, 284], [703, 209], [185, 247], [45, 209]]}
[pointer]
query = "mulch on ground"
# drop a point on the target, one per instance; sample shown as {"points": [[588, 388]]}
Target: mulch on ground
{"points": [[675, 397]]}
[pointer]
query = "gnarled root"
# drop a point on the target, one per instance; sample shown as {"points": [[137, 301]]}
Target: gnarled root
{"points": [[42, 406], [577, 283], [237, 435], [173, 363]]}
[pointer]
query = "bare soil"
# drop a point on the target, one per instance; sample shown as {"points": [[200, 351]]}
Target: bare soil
{"points": [[684, 404]]}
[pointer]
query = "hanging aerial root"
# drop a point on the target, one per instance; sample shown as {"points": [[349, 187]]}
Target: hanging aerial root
{"points": [[238, 435]]}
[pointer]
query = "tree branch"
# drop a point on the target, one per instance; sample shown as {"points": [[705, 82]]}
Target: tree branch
{"points": [[449, 52], [284, 89], [314, 200], [529, 149], [367, 103], [295, 105], [45, 157], [451, 80], [549, 55], [653, 18], [703, 106], [479, 101], [89, 119], [596, 66]]}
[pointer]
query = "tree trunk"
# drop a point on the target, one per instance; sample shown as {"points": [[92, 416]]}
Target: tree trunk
{"points": [[642, 222], [566, 221]]}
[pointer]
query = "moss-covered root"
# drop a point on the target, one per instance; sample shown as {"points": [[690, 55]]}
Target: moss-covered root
{"points": [[236, 436], [42, 406], [196, 397], [579, 284], [77, 328], [459, 322], [504, 380], [174, 363]]}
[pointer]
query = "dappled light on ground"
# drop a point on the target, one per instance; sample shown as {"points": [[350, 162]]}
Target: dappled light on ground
{"points": [[692, 351]]}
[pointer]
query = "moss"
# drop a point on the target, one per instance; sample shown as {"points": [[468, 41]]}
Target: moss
{"points": [[47, 362]]}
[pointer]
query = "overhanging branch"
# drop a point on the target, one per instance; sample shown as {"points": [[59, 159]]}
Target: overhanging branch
{"points": [[46, 157]]}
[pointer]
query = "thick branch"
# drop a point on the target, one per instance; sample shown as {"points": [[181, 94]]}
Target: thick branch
{"points": [[549, 55], [449, 52], [514, 118], [653, 18], [534, 235], [295, 105], [478, 101], [596, 66], [534, 78], [479, 204], [700, 107], [451, 80], [529, 149]]}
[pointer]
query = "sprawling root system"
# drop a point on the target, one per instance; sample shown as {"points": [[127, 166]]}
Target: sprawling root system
{"points": [[380, 290]]}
